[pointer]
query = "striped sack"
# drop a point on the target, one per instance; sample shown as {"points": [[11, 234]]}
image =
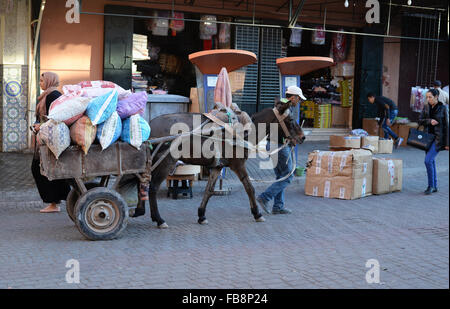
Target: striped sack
{"points": [[109, 131], [135, 131]]}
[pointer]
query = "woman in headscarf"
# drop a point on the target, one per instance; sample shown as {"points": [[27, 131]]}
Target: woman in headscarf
{"points": [[51, 192]]}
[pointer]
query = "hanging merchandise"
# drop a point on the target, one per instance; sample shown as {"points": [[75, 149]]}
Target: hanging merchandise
{"points": [[207, 44], [346, 90], [339, 46], [160, 26], [177, 24], [296, 37], [208, 27], [418, 98], [318, 36], [224, 36]]}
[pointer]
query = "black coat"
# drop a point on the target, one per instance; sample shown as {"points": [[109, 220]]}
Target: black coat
{"points": [[441, 129], [52, 96]]}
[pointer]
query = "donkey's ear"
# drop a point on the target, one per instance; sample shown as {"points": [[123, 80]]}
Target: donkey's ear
{"points": [[281, 107]]}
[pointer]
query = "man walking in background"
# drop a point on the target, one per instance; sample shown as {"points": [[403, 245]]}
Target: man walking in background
{"points": [[443, 96], [387, 111]]}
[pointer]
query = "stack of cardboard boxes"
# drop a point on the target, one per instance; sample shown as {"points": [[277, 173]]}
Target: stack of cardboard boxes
{"points": [[322, 116], [342, 174], [372, 143], [351, 174]]}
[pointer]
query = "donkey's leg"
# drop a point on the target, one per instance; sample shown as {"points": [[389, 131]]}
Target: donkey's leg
{"points": [[241, 172], [214, 174], [158, 176], [139, 210]]}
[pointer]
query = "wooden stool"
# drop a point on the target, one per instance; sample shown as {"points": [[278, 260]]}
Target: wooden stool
{"points": [[186, 185]]}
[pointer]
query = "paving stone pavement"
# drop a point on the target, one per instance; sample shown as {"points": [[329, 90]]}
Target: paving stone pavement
{"points": [[325, 243]]}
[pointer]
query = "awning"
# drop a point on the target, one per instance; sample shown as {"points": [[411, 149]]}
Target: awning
{"points": [[212, 61], [302, 65]]}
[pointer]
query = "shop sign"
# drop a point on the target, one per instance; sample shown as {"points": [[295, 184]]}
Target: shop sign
{"points": [[73, 15]]}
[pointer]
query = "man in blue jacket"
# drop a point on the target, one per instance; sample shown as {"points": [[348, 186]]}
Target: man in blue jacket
{"points": [[387, 111]]}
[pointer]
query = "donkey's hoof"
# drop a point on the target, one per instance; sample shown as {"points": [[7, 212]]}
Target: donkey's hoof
{"points": [[260, 219], [163, 226], [204, 222], [136, 212]]}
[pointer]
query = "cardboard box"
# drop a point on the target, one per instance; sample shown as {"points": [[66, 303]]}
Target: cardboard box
{"points": [[194, 107], [385, 145], [348, 141], [344, 188], [370, 141], [352, 163], [370, 125], [342, 175], [339, 116], [387, 175]]}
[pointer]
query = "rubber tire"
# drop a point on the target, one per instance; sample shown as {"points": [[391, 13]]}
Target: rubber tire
{"points": [[89, 197], [73, 197]]}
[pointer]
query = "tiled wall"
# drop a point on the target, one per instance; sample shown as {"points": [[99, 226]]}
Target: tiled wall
{"points": [[14, 28], [13, 107]]}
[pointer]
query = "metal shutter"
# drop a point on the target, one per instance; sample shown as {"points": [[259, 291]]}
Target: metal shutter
{"points": [[247, 38], [268, 78], [271, 49]]}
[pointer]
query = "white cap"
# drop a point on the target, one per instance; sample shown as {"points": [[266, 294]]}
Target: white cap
{"points": [[295, 91]]}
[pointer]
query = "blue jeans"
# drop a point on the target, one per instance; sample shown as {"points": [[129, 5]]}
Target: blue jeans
{"points": [[430, 164], [387, 130], [283, 167]]}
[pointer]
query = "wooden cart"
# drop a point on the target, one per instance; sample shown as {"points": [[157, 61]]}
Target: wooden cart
{"points": [[99, 211]]}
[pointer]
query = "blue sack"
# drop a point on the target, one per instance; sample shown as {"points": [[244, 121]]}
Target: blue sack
{"points": [[135, 131], [102, 107]]}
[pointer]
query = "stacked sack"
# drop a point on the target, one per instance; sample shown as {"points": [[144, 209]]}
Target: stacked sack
{"points": [[94, 110]]}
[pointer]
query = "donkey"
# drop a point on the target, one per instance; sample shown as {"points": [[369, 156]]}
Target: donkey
{"points": [[161, 127]]}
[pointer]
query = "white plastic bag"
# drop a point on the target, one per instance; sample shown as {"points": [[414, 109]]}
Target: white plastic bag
{"points": [[208, 27]]}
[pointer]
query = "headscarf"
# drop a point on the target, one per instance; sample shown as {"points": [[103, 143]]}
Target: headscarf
{"points": [[51, 83]]}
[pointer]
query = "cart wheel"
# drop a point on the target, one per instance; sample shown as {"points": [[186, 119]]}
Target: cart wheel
{"points": [[101, 214], [73, 197]]}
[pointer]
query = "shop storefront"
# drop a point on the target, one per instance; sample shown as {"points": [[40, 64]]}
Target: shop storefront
{"points": [[144, 46], [147, 50]]}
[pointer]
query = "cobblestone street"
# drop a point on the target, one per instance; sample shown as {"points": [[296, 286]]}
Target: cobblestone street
{"points": [[325, 243]]}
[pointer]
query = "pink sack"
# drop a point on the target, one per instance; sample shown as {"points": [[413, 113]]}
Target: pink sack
{"points": [[96, 88], [133, 104]]}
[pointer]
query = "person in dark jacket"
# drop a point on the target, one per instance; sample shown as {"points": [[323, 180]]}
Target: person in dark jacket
{"points": [[387, 111], [51, 192], [434, 118]]}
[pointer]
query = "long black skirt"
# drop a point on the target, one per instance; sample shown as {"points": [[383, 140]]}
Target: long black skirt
{"points": [[50, 191]]}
